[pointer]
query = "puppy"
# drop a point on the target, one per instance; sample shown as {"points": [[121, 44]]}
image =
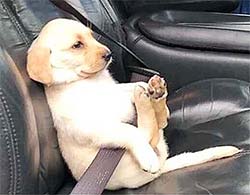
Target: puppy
{"points": [[91, 110]]}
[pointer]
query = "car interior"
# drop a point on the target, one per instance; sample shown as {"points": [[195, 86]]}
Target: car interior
{"points": [[200, 47]]}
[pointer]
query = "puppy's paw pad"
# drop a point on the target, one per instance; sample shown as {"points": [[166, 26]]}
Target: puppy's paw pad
{"points": [[157, 87]]}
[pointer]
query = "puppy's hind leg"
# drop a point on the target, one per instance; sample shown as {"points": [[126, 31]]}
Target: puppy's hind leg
{"points": [[206, 155], [146, 118], [157, 90]]}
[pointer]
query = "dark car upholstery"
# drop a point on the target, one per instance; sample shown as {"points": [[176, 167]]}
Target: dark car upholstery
{"points": [[130, 7], [192, 45], [206, 113]]}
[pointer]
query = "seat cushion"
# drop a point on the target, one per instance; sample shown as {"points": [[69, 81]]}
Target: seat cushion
{"points": [[198, 30], [204, 114]]}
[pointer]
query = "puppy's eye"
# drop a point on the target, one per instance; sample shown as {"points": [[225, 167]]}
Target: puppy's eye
{"points": [[77, 45]]}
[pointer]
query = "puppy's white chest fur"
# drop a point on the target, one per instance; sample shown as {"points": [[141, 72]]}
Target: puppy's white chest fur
{"points": [[92, 100]]}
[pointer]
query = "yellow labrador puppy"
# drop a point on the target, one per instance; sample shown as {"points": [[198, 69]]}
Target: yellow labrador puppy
{"points": [[90, 109]]}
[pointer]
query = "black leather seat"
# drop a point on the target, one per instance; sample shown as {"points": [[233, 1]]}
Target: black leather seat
{"points": [[205, 113], [192, 45], [128, 8]]}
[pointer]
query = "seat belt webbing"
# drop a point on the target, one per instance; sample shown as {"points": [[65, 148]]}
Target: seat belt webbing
{"points": [[96, 177]]}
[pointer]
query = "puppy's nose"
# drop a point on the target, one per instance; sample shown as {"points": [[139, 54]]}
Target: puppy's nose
{"points": [[107, 56]]}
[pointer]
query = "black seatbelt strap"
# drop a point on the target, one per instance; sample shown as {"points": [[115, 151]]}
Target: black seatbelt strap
{"points": [[96, 177], [67, 7]]}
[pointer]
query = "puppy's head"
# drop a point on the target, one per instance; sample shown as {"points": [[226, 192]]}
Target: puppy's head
{"points": [[65, 51]]}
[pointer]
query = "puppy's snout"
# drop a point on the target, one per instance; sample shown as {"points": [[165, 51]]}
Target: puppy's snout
{"points": [[107, 56]]}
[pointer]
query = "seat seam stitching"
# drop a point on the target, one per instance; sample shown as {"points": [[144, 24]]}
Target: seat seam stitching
{"points": [[5, 130], [11, 131], [16, 24]]}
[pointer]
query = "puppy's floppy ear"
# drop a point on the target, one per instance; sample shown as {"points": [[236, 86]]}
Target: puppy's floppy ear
{"points": [[38, 63]]}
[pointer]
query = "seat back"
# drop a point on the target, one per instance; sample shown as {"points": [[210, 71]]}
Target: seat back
{"points": [[31, 162]]}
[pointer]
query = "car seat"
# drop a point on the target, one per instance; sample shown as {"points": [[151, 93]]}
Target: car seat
{"points": [[204, 113]]}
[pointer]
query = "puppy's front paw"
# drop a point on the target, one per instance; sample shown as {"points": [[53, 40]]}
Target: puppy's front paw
{"points": [[157, 89], [148, 160], [151, 165]]}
